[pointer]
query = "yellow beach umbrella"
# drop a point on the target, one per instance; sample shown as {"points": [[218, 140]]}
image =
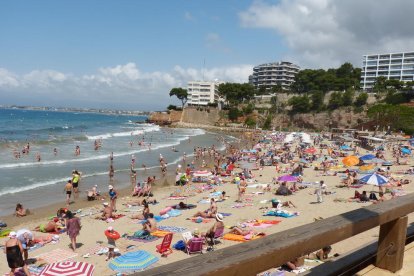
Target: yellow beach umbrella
{"points": [[366, 167], [351, 160]]}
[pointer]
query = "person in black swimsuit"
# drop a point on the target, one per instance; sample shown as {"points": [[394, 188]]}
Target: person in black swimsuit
{"points": [[14, 252]]}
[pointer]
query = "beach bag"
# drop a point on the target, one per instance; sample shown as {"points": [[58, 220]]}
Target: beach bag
{"points": [[180, 245]]}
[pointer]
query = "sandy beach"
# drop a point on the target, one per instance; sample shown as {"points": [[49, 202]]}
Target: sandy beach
{"points": [[252, 207]]}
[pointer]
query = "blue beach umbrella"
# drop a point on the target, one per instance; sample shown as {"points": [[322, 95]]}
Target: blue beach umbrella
{"points": [[133, 261], [367, 157], [374, 179], [405, 151]]}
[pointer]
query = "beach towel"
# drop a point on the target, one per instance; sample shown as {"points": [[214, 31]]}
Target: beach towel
{"points": [[145, 239], [174, 229], [92, 250], [226, 214], [57, 255], [204, 201], [35, 246], [4, 233], [174, 213], [176, 197], [280, 214], [263, 223], [201, 220], [240, 238], [160, 233], [234, 237], [242, 205]]}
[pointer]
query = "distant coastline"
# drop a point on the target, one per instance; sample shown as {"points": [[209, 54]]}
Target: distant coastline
{"points": [[83, 110]]}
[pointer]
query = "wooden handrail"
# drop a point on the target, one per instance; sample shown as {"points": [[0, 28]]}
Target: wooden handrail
{"points": [[276, 249]]}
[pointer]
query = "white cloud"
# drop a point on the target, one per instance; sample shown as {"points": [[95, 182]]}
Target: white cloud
{"points": [[121, 86], [328, 33]]}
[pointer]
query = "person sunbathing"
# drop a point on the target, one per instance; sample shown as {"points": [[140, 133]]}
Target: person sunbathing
{"points": [[50, 227], [141, 202], [240, 231], [209, 213], [151, 224]]}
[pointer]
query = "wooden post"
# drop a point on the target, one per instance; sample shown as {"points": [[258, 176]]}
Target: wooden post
{"points": [[391, 244]]}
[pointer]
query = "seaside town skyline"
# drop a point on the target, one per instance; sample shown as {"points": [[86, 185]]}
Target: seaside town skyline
{"points": [[100, 55]]}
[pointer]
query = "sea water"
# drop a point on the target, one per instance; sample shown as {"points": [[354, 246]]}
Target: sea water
{"points": [[39, 183]]}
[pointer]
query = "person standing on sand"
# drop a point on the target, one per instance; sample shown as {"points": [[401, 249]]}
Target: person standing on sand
{"points": [[14, 252], [75, 181], [73, 227], [68, 191], [113, 194]]}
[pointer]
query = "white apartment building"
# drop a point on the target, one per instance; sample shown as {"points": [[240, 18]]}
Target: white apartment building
{"points": [[276, 73], [202, 92], [398, 66]]}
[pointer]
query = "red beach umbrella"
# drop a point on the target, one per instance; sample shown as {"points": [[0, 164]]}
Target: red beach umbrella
{"points": [[68, 268]]}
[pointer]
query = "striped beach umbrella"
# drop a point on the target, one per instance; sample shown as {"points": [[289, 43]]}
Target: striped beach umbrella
{"points": [[68, 268], [374, 179], [133, 261], [367, 157], [351, 160]]}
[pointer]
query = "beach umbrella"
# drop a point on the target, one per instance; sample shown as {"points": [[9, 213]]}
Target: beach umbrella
{"points": [[374, 179], [68, 268], [366, 168], [351, 160], [375, 160], [405, 151], [367, 157], [287, 178], [310, 150], [133, 261]]}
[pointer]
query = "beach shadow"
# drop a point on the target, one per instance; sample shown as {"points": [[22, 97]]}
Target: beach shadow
{"points": [[78, 245], [315, 202]]}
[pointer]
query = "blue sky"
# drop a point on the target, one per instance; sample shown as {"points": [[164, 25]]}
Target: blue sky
{"points": [[129, 54], [81, 36]]}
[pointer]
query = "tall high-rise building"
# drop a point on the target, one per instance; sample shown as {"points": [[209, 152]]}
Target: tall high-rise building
{"points": [[276, 73], [392, 66], [202, 92]]}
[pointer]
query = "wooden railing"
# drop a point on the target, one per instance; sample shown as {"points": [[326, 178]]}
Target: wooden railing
{"points": [[276, 249]]}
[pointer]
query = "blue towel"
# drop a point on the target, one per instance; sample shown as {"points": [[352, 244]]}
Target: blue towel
{"points": [[279, 214]]}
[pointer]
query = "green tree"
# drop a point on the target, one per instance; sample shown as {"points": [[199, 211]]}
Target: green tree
{"points": [[348, 97], [180, 93], [317, 98], [398, 117], [267, 125], [234, 114], [380, 84], [236, 93], [335, 101], [299, 104], [248, 109], [361, 100], [250, 122]]}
